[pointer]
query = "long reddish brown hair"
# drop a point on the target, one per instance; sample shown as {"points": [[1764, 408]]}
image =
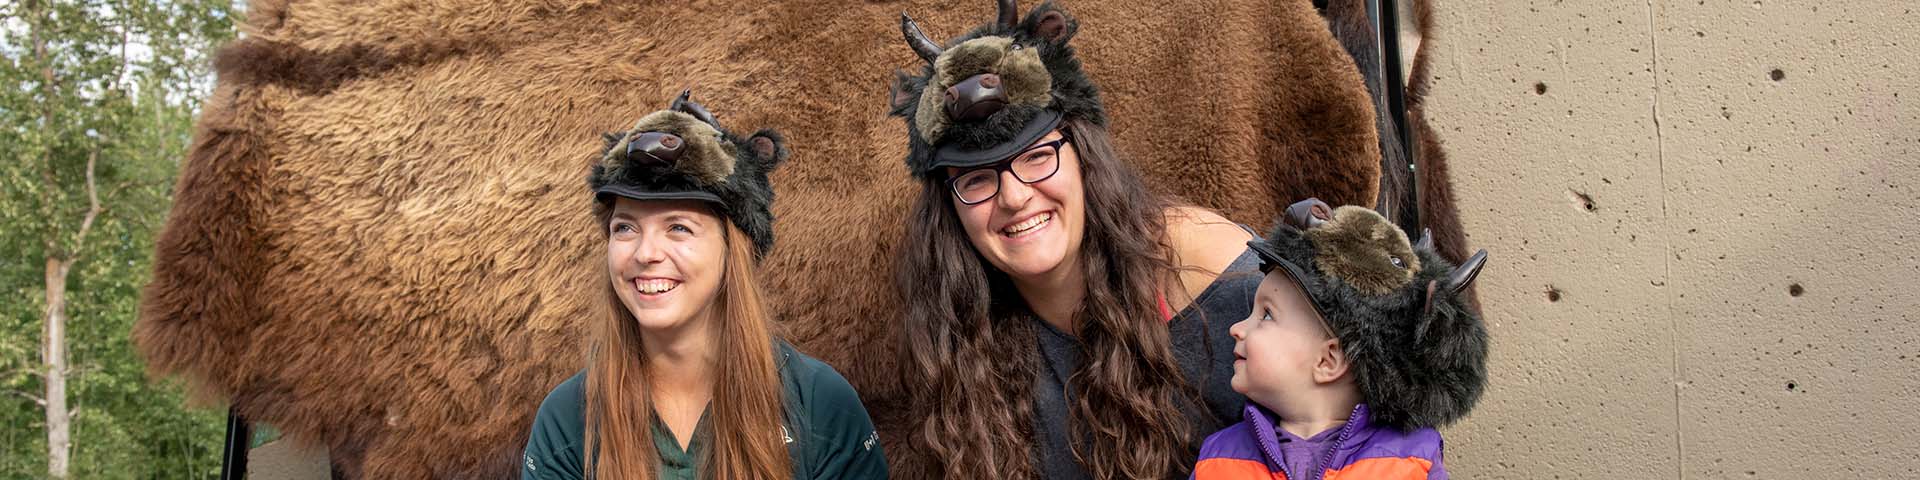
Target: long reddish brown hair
{"points": [[746, 410]]}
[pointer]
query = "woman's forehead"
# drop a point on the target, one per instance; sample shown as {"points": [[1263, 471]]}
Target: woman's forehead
{"points": [[647, 209], [1050, 136]]}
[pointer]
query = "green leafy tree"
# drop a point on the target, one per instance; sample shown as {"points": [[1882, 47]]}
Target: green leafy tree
{"points": [[91, 135]]}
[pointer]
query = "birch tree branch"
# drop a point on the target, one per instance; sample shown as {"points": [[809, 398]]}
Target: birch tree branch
{"points": [[93, 208], [35, 398], [29, 371]]}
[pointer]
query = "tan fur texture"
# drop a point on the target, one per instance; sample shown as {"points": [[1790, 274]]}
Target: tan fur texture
{"points": [[1355, 246], [382, 243]]}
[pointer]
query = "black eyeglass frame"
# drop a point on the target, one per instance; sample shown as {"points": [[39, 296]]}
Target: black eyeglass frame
{"points": [[1006, 165]]}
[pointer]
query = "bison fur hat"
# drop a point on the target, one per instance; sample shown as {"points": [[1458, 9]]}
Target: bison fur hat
{"points": [[993, 91], [681, 153], [1417, 351]]}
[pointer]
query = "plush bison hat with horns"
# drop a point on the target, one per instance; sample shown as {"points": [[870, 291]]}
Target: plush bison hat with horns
{"points": [[1418, 352], [993, 91], [681, 153]]}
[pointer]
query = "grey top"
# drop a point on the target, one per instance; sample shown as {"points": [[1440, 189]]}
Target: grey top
{"points": [[1201, 346]]}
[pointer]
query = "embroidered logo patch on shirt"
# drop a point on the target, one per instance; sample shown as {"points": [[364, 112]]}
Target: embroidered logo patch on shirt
{"points": [[872, 438]]}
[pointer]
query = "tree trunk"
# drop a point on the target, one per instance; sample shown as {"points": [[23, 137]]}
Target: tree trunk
{"points": [[54, 355], [53, 347]]}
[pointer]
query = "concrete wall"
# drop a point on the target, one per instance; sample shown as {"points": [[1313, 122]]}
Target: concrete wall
{"points": [[1702, 217], [283, 460]]}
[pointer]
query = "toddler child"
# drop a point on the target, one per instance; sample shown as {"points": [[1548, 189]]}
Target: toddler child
{"points": [[1360, 343]]}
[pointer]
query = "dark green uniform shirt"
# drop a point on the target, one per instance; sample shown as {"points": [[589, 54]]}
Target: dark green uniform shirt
{"points": [[828, 432]]}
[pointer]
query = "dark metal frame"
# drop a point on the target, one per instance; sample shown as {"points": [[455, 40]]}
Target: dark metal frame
{"points": [[1385, 19], [233, 461]]}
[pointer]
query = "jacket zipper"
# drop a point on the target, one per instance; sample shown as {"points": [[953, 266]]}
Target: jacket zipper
{"points": [[1345, 431], [1267, 448]]}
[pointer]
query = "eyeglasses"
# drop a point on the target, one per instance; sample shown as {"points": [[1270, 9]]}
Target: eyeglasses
{"points": [[1032, 165]]}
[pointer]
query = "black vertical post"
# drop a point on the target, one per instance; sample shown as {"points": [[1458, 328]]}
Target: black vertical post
{"points": [[1386, 26], [233, 461]]}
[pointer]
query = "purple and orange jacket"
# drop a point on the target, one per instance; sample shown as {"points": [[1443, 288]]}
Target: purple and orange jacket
{"points": [[1251, 449]]}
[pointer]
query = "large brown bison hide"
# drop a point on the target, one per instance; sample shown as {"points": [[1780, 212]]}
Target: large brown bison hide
{"points": [[381, 241]]}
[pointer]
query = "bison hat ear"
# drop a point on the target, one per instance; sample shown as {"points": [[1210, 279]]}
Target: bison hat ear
{"points": [[900, 95], [1051, 24], [769, 148]]}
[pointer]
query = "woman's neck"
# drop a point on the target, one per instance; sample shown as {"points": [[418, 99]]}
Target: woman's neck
{"points": [[680, 361], [1056, 295]]}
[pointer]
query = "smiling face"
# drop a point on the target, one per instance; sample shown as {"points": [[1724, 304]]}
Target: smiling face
{"points": [[1278, 347], [1030, 230], [665, 259]]}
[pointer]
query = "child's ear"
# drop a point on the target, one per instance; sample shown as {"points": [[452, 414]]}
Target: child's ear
{"points": [[1333, 363]]}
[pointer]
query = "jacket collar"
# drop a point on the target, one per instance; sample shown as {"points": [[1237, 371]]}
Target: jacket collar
{"points": [[1265, 427]]}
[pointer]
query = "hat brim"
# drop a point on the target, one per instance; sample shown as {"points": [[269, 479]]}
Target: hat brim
{"points": [[1270, 260], [606, 194], [1041, 124]]}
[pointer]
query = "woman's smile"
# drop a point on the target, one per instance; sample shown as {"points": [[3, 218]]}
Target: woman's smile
{"points": [[1029, 226], [654, 288]]}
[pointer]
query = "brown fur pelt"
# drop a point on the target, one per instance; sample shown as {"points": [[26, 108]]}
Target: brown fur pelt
{"points": [[380, 243]]}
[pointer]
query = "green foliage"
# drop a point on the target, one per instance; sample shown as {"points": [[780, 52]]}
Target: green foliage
{"points": [[127, 79]]}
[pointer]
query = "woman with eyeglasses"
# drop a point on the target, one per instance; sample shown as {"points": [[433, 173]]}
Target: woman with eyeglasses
{"points": [[1067, 322]]}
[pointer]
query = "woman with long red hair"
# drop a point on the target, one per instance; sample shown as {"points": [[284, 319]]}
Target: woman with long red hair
{"points": [[684, 377]]}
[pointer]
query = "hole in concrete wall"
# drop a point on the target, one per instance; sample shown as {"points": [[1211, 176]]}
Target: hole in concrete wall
{"points": [[1791, 386], [1584, 201], [1540, 88], [1795, 290], [1553, 294], [1777, 75]]}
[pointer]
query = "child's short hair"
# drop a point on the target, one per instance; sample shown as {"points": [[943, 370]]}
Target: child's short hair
{"points": [[1418, 352]]}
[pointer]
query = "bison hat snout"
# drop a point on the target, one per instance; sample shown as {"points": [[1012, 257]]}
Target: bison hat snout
{"points": [[976, 98], [656, 147]]}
